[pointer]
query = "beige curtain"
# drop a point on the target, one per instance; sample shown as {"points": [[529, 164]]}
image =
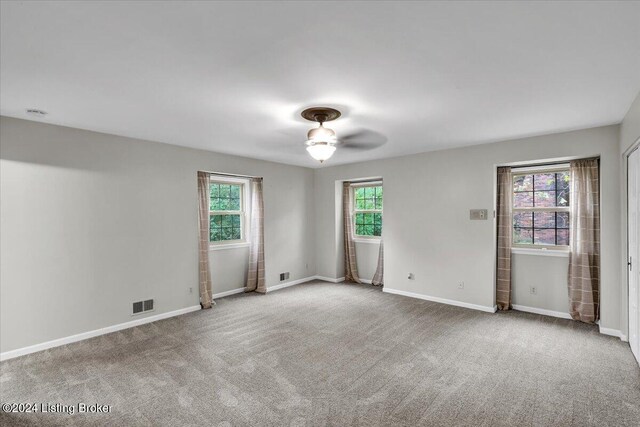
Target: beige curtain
{"points": [[255, 277], [203, 258], [350, 265], [505, 235], [378, 277], [584, 259]]}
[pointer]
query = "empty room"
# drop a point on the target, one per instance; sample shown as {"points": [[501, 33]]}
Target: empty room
{"points": [[292, 213]]}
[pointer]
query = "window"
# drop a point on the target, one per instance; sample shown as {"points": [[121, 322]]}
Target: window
{"points": [[367, 210], [541, 208], [226, 211]]}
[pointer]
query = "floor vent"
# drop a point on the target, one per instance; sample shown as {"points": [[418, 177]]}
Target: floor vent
{"points": [[142, 306]]}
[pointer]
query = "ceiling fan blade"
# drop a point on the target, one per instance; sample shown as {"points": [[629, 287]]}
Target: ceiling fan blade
{"points": [[362, 139]]}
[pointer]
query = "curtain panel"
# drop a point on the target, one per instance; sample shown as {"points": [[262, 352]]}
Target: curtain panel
{"points": [[378, 277], [584, 258], [256, 274], [203, 244], [504, 238], [350, 264]]}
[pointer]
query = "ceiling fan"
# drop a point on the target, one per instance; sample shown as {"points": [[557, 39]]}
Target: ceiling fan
{"points": [[322, 142]]}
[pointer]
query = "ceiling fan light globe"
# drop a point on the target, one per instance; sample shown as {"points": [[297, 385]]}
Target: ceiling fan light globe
{"points": [[320, 151], [321, 134]]}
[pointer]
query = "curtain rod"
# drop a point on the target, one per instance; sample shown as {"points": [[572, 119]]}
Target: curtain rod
{"points": [[231, 174], [566, 160]]}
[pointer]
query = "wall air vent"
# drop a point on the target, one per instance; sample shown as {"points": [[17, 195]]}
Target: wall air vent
{"points": [[142, 306], [137, 307]]}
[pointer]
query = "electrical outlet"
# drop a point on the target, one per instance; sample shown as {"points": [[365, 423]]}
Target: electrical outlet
{"points": [[284, 276], [410, 276], [460, 285], [533, 290]]}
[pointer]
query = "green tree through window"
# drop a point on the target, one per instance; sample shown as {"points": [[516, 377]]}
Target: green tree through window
{"points": [[225, 211], [367, 210]]}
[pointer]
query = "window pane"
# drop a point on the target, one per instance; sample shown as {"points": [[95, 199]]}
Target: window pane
{"points": [[234, 204], [563, 179], [369, 192], [544, 181], [523, 183], [544, 219], [224, 204], [213, 204], [359, 193], [378, 203], [563, 237], [359, 218], [522, 236], [368, 230], [226, 221], [235, 191], [377, 230], [359, 203], [523, 219], [562, 197], [214, 190], [562, 219], [359, 230], [225, 190], [215, 235], [544, 236], [523, 200], [216, 219], [379, 192], [369, 204], [368, 218], [236, 233], [377, 218], [544, 199]]}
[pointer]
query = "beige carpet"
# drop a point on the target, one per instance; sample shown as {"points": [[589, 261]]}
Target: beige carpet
{"points": [[335, 354]]}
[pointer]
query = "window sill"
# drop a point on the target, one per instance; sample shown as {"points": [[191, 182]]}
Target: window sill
{"points": [[225, 246], [371, 241], [563, 253]]}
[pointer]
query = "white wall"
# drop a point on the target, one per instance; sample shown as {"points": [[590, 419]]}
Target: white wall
{"points": [[629, 134], [91, 222], [432, 236], [548, 274]]}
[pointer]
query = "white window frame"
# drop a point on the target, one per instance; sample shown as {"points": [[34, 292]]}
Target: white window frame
{"points": [[243, 212], [360, 237], [536, 170]]}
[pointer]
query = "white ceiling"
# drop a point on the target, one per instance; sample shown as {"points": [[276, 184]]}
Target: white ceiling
{"points": [[232, 77]]}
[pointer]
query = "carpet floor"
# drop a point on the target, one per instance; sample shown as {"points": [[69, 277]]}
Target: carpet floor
{"points": [[335, 354]]}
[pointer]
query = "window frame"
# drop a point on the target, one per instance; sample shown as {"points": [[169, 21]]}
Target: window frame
{"points": [[539, 170], [355, 210], [243, 212]]}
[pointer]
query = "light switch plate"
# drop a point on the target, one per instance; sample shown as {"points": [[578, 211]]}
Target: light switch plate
{"points": [[478, 214]]}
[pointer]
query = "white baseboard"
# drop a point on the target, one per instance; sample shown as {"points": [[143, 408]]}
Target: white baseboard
{"points": [[441, 300], [291, 283], [614, 333], [329, 279], [542, 311], [227, 293], [367, 281], [97, 332]]}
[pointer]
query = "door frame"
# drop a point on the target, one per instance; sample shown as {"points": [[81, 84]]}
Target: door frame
{"points": [[625, 240]]}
